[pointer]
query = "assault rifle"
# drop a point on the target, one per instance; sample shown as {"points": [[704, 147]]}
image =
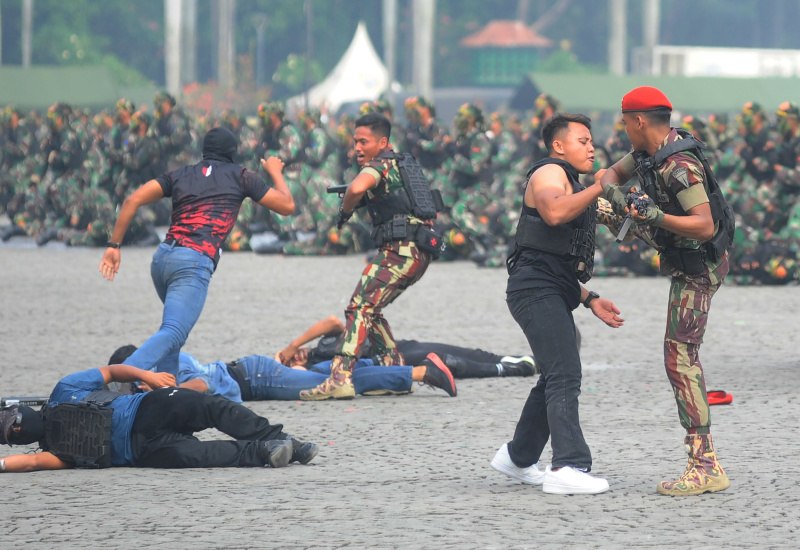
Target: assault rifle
{"points": [[635, 199], [23, 401]]}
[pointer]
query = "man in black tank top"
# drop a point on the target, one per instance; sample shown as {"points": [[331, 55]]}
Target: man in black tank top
{"points": [[554, 253]]}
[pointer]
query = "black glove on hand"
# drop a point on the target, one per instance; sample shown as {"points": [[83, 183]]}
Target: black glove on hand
{"points": [[343, 217]]}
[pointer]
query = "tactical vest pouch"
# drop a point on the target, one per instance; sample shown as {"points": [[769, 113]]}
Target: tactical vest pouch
{"points": [[399, 229], [689, 260], [430, 241], [79, 433]]}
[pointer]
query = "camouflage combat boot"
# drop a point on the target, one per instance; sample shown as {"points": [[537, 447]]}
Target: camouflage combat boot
{"points": [[703, 473], [338, 386]]}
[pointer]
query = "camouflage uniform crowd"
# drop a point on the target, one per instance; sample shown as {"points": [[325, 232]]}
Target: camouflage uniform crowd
{"points": [[66, 172]]}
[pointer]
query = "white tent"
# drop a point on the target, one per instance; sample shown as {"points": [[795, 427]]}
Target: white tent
{"points": [[359, 76]]}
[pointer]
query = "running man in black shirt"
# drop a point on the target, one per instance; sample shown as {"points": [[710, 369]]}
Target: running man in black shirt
{"points": [[206, 198]]}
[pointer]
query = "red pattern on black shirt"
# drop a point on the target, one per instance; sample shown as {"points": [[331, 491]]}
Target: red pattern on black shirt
{"points": [[204, 208]]}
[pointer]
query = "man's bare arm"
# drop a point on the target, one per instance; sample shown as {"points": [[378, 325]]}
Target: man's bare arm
{"points": [[127, 373], [547, 190], [325, 327], [278, 199], [34, 462]]}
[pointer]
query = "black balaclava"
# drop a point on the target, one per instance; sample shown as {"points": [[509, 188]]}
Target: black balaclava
{"points": [[219, 144], [31, 426]]}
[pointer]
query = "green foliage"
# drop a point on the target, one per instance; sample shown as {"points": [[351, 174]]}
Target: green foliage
{"points": [[122, 73], [291, 73], [128, 35], [565, 61]]}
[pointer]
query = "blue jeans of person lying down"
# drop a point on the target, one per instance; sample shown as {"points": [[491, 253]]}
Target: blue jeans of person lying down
{"points": [[269, 380]]}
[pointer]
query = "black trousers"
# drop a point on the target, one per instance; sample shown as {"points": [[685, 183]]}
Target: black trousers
{"points": [[472, 363], [551, 410], [162, 434]]}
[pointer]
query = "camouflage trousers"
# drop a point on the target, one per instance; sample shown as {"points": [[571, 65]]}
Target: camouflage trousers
{"points": [[382, 281], [689, 302]]}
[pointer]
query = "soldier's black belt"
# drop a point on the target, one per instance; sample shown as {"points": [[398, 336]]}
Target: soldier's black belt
{"points": [[237, 372], [691, 261], [400, 230]]}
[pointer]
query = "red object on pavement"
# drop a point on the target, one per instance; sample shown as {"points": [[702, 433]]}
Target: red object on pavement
{"points": [[719, 397]]}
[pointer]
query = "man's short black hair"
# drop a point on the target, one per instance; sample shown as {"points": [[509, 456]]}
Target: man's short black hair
{"points": [[560, 122], [377, 123], [121, 353], [657, 117]]}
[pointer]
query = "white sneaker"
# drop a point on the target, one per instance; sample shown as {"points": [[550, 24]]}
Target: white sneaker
{"points": [[569, 481], [503, 464]]}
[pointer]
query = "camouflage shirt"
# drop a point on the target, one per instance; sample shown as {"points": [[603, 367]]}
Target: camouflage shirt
{"points": [[680, 186]]}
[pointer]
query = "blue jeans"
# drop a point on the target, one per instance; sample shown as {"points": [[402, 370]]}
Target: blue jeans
{"points": [[269, 380], [551, 410], [181, 276]]}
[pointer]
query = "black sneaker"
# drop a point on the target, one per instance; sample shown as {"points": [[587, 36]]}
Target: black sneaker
{"points": [[275, 453], [302, 451], [438, 375], [518, 366]]}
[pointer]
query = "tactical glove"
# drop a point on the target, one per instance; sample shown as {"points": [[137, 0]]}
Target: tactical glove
{"points": [[617, 199], [343, 217], [654, 216]]}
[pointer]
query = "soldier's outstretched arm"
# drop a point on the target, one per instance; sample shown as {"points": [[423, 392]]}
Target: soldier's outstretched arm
{"points": [[32, 463], [360, 185]]}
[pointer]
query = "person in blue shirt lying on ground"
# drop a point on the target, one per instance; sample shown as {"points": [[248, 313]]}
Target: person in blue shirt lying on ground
{"points": [[150, 430], [462, 362], [262, 378]]}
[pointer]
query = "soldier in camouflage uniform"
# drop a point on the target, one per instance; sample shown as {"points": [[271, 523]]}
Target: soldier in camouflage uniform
{"points": [[239, 237], [398, 264], [534, 148], [322, 206], [280, 138], [141, 157], [618, 145], [173, 133], [471, 176], [503, 212], [427, 139], [61, 181], [16, 143], [682, 192]]}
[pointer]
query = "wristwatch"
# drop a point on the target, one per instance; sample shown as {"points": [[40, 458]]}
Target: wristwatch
{"points": [[592, 295], [110, 244]]}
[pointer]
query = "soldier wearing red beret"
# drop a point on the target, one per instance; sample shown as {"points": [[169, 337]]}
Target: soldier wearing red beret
{"points": [[682, 225]]}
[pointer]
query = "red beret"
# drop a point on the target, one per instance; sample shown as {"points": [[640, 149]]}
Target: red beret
{"points": [[645, 98]]}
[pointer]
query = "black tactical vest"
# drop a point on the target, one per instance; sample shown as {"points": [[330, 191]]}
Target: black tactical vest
{"points": [[689, 260], [80, 433], [575, 238]]}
